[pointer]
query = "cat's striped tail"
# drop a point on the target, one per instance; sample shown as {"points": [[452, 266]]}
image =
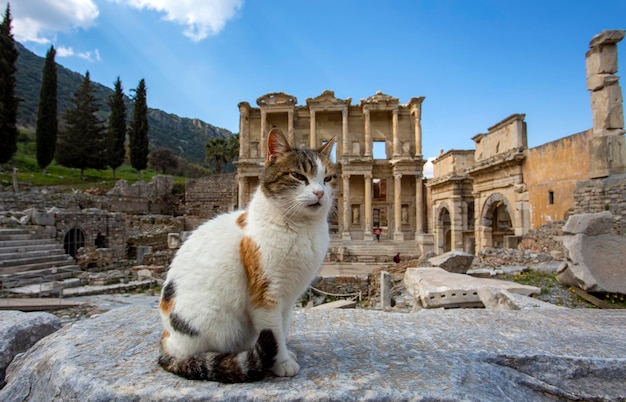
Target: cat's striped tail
{"points": [[246, 366]]}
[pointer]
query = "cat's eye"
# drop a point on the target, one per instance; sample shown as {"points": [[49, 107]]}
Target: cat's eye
{"points": [[329, 178], [299, 176]]}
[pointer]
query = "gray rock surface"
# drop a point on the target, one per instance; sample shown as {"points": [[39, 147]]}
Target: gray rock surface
{"points": [[19, 331], [349, 355], [457, 262]]}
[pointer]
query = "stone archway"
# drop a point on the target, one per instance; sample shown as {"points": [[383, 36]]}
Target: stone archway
{"points": [[443, 229], [73, 240], [496, 221]]}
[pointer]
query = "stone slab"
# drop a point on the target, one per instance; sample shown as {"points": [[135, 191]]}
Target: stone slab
{"points": [[19, 331], [336, 304], [435, 287], [349, 355], [499, 299]]}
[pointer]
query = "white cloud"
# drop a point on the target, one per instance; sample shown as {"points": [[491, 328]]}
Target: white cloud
{"points": [[90, 56], [429, 171], [201, 18], [39, 20]]}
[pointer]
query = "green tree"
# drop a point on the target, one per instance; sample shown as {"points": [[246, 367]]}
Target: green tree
{"points": [[232, 148], [217, 151], [116, 133], [138, 131], [8, 100], [47, 127], [81, 144], [163, 159]]}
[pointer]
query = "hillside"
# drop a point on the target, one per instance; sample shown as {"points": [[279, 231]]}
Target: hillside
{"points": [[186, 137]]}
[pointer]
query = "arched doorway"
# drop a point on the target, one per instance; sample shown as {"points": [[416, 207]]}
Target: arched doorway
{"points": [[73, 240], [444, 230], [496, 221]]}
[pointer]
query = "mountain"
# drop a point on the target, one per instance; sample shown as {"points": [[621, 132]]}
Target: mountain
{"points": [[185, 137]]}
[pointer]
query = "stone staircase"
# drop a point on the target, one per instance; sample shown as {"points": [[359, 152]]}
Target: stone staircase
{"points": [[371, 252], [33, 257]]}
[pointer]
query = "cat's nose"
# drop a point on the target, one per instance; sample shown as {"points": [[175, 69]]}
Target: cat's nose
{"points": [[319, 193]]}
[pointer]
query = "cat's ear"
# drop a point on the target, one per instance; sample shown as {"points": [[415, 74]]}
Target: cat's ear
{"points": [[276, 145], [327, 148]]}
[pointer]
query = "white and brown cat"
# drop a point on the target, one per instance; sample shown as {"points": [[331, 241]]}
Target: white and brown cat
{"points": [[227, 301]]}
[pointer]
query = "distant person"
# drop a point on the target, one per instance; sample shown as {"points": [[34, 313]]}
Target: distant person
{"points": [[377, 232], [396, 258]]}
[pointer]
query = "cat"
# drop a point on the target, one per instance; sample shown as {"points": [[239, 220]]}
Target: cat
{"points": [[227, 301]]}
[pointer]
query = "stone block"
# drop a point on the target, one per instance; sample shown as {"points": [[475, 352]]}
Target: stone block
{"points": [[19, 331], [599, 81], [41, 217], [173, 240], [385, 290], [606, 37], [607, 155], [141, 253], [589, 224], [499, 299], [607, 111], [595, 263], [453, 261], [349, 355], [336, 304], [435, 287], [601, 60]]}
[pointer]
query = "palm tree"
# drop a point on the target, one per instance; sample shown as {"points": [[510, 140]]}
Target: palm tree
{"points": [[217, 150], [233, 148]]}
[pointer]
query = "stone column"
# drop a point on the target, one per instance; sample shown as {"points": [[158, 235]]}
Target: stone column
{"points": [[290, 129], [344, 133], [347, 210], [368, 207], [244, 130], [419, 205], [394, 131], [416, 112], [397, 207], [456, 223], [241, 188], [368, 137], [607, 149], [312, 136], [263, 150]]}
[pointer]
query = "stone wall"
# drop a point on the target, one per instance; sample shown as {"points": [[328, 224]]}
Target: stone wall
{"points": [[598, 195], [100, 229], [550, 181], [209, 196], [143, 198]]}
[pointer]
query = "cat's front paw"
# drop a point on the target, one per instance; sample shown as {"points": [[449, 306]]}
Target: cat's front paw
{"points": [[292, 355], [286, 368]]}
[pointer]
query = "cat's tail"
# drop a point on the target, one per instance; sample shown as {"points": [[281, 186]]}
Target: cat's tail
{"points": [[246, 366]]}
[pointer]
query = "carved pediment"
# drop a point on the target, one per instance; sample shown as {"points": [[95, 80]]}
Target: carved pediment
{"points": [[277, 99], [380, 99], [327, 98]]}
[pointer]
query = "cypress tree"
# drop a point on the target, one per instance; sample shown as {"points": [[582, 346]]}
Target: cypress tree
{"points": [[138, 131], [82, 144], [116, 133], [8, 101], [47, 127]]}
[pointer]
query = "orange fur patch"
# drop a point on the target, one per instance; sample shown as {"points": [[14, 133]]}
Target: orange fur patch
{"points": [[258, 284], [164, 337], [166, 306], [241, 220]]}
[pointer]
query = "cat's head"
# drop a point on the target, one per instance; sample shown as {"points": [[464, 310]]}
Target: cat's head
{"points": [[301, 181]]}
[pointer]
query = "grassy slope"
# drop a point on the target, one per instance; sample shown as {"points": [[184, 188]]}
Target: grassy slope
{"points": [[65, 178]]}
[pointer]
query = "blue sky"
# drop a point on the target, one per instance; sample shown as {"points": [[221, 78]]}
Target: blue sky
{"points": [[475, 61]]}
